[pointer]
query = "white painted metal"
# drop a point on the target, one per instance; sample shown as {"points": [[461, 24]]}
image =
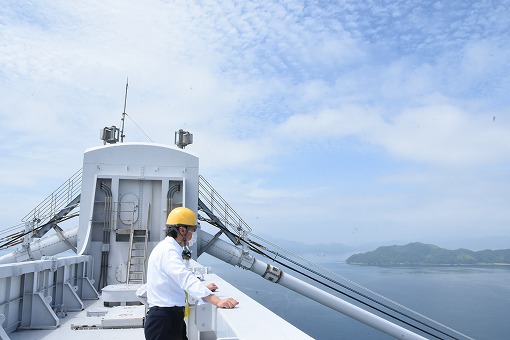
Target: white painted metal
{"points": [[36, 291], [210, 322], [47, 246], [120, 294], [140, 170], [137, 161], [204, 322], [124, 317], [3, 334]]}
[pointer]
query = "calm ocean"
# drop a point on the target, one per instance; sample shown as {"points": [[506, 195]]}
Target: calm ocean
{"points": [[472, 300]]}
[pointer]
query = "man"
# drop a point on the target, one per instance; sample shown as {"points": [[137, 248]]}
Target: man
{"points": [[168, 279]]}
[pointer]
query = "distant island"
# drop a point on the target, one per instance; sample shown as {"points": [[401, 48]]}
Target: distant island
{"points": [[428, 254]]}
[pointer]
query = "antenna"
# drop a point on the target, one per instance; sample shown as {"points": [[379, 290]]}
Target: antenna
{"points": [[183, 138], [122, 135]]}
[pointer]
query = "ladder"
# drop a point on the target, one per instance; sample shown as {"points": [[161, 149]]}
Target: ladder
{"points": [[137, 256]]}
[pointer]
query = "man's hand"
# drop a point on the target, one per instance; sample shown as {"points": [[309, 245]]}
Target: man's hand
{"points": [[227, 303], [212, 287]]}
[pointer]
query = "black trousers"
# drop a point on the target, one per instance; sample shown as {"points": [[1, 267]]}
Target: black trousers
{"points": [[165, 324]]}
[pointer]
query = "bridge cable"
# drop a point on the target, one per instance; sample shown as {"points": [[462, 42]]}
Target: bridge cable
{"points": [[353, 297]]}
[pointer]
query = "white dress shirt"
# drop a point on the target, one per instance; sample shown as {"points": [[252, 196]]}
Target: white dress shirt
{"points": [[168, 277]]}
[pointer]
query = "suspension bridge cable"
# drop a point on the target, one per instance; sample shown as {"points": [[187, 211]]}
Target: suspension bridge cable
{"points": [[355, 298], [257, 248], [355, 284]]}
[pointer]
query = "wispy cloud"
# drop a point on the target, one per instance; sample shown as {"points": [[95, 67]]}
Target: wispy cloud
{"points": [[282, 98]]}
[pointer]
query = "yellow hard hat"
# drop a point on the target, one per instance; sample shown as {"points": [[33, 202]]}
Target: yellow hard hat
{"points": [[182, 216]]}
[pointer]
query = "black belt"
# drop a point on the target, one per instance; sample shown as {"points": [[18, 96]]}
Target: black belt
{"points": [[169, 309]]}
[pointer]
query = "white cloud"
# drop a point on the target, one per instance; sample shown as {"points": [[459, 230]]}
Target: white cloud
{"points": [[446, 135], [325, 124], [434, 134], [364, 88]]}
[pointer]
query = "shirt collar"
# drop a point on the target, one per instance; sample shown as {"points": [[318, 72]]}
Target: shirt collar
{"points": [[173, 241]]}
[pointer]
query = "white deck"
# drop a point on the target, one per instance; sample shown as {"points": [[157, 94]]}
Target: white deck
{"points": [[64, 331], [246, 321]]}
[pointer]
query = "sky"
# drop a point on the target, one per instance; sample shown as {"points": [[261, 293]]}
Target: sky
{"points": [[382, 122]]}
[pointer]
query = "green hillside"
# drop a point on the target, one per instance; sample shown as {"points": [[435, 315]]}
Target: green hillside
{"points": [[428, 254]]}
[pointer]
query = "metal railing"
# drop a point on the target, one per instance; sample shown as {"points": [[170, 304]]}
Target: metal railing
{"points": [[56, 201], [221, 209], [44, 212]]}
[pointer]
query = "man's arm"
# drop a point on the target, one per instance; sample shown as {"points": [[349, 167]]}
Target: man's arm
{"points": [[227, 303]]}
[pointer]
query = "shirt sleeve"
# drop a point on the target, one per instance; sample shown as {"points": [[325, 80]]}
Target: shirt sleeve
{"points": [[175, 268]]}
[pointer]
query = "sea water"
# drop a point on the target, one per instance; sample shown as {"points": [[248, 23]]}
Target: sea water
{"points": [[472, 300]]}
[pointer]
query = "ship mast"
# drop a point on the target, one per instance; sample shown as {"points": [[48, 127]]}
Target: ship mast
{"points": [[124, 114]]}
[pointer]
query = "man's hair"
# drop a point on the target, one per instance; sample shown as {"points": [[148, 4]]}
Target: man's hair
{"points": [[170, 231]]}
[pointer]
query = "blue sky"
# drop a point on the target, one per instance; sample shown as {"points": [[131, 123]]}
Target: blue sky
{"points": [[350, 122]]}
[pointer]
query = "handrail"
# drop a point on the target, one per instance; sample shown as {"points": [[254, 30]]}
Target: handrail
{"points": [[221, 209], [56, 201], [49, 208]]}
